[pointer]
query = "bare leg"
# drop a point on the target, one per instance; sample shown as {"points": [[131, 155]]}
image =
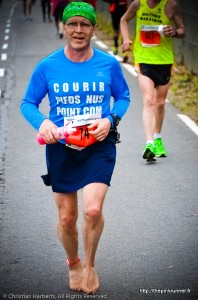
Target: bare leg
{"points": [[160, 98], [68, 234], [148, 93], [93, 197]]}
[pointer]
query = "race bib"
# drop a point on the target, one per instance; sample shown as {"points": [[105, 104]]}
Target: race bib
{"points": [[81, 138], [150, 36]]}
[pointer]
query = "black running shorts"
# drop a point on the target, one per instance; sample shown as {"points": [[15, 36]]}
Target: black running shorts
{"points": [[160, 74]]}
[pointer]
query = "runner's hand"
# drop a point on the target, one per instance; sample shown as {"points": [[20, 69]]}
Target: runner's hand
{"points": [[126, 46], [48, 131], [102, 129], [169, 31]]}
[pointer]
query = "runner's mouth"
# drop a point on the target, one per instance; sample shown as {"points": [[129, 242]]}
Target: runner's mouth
{"points": [[78, 37]]}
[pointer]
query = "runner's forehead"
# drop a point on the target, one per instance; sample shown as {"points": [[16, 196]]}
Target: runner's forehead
{"points": [[78, 19]]}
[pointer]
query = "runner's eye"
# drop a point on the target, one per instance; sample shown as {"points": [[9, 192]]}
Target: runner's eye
{"points": [[85, 25], [74, 25]]}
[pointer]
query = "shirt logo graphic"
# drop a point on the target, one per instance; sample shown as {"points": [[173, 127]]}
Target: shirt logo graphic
{"points": [[100, 74]]}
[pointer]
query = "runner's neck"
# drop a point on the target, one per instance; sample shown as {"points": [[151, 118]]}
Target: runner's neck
{"points": [[78, 56], [153, 3]]}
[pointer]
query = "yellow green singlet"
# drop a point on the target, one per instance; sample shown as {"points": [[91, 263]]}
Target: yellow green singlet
{"points": [[150, 46]]}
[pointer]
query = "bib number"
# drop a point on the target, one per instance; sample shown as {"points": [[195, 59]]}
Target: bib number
{"points": [[149, 36], [81, 138]]}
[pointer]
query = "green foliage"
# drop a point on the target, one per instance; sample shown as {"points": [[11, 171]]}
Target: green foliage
{"points": [[184, 92]]}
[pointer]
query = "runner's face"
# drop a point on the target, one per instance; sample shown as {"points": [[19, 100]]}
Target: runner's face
{"points": [[78, 32]]}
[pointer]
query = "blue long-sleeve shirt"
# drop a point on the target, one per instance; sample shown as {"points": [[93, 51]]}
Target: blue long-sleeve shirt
{"points": [[76, 88]]}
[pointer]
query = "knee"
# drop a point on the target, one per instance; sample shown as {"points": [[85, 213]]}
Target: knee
{"points": [[92, 214], [160, 105], [149, 101], [67, 221]]}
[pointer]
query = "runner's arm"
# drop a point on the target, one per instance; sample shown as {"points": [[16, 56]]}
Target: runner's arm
{"points": [[126, 18], [178, 21]]}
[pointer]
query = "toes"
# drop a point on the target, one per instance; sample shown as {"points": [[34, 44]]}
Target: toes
{"points": [[90, 281], [75, 279]]}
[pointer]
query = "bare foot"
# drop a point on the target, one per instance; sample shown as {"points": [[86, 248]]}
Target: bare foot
{"points": [[90, 281], [76, 277]]}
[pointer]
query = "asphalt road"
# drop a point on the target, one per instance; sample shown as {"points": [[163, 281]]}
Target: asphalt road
{"points": [[149, 245]]}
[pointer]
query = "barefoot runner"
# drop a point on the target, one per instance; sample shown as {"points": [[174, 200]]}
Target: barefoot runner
{"points": [[80, 82]]}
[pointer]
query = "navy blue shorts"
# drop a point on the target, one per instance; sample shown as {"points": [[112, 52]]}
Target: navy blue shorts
{"points": [[70, 170]]}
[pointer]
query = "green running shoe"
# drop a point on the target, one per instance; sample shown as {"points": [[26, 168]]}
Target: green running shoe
{"points": [[159, 149], [115, 50], [149, 153]]}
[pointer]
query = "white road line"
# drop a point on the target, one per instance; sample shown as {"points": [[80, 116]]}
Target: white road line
{"points": [[190, 123], [130, 69], [6, 38], [5, 46], [2, 72], [4, 56], [101, 44]]}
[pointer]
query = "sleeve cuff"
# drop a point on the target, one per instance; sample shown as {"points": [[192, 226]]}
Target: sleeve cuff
{"points": [[111, 120]]}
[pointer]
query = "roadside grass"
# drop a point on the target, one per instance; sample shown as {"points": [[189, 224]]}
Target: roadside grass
{"points": [[183, 92]]}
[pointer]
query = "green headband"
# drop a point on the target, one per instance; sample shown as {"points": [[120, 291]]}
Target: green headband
{"points": [[82, 9]]}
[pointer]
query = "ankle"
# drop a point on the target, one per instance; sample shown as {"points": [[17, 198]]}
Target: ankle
{"points": [[150, 142], [72, 263], [157, 136]]}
